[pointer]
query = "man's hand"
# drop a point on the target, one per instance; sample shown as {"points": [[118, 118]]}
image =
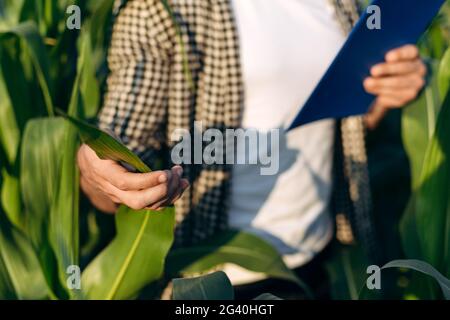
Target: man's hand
{"points": [[395, 82], [108, 184]]}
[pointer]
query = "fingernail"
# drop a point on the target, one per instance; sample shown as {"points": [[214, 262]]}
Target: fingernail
{"points": [[375, 71], [391, 57], [368, 82], [162, 178]]}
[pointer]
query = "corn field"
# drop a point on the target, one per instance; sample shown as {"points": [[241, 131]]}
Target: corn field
{"points": [[51, 84]]}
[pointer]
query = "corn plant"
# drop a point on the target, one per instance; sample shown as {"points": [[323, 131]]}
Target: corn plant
{"points": [[425, 227]]}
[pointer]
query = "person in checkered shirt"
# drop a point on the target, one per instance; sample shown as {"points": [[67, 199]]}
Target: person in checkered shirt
{"points": [[250, 65]]}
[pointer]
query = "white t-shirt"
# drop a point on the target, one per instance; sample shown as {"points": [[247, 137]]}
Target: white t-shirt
{"points": [[286, 47]]}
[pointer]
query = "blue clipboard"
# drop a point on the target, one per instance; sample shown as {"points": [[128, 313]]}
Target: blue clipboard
{"points": [[340, 93]]}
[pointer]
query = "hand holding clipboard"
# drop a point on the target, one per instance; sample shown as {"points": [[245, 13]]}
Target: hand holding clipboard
{"points": [[340, 93]]}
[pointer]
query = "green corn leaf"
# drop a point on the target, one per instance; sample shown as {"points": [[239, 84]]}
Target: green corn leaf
{"points": [[89, 87], [9, 130], [105, 146], [409, 232], [41, 169], [11, 12], [424, 268], [14, 60], [214, 286], [418, 124], [425, 224], [346, 269], [7, 291], [100, 21], [10, 197], [41, 161], [91, 232], [9, 142], [135, 257], [28, 33], [64, 213], [444, 74], [22, 276], [240, 248], [427, 221], [433, 197]]}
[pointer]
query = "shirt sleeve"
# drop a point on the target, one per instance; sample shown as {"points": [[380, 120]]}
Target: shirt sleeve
{"points": [[139, 61]]}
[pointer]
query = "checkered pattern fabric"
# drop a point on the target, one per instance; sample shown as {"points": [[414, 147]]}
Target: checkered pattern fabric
{"points": [[149, 96]]}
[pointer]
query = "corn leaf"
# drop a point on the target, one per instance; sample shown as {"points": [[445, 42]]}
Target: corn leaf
{"points": [[89, 87], [433, 197], [15, 60], [409, 231], [214, 286], [21, 273], [9, 142], [20, 60], [346, 269], [64, 225], [424, 268], [7, 291], [101, 19], [41, 168], [425, 227], [105, 146], [444, 74], [11, 11], [41, 161], [9, 130], [29, 34], [135, 257], [64, 213], [10, 196], [240, 248], [418, 124]]}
